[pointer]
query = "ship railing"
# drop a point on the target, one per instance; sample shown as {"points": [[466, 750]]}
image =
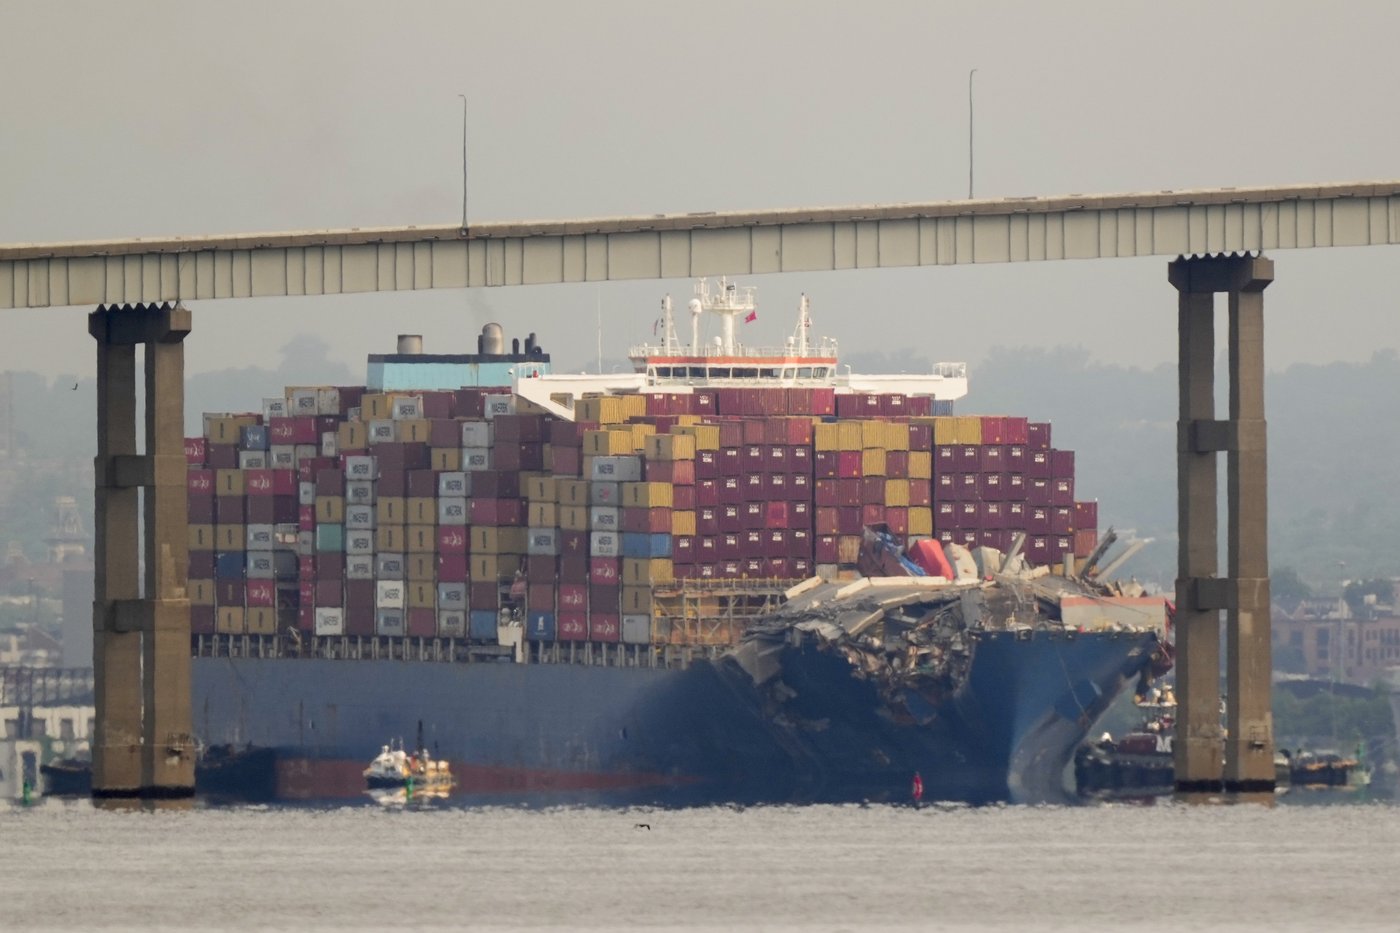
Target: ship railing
{"points": [[824, 347]]}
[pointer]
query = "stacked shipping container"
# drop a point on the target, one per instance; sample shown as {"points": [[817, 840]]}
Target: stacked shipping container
{"points": [[342, 512]]}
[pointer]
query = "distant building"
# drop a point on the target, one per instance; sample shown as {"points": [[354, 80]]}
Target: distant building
{"points": [[1336, 643]]}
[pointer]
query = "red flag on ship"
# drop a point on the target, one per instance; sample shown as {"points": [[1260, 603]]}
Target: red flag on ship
{"points": [[751, 317]]}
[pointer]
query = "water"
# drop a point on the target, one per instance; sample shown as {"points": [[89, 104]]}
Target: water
{"points": [[1112, 867]]}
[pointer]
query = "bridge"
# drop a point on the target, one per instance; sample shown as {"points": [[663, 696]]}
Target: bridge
{"points": [[1218, 238]]}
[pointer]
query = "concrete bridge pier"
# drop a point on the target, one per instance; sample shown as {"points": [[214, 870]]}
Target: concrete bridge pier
{"points": [[1239, 757], [141, 633]]}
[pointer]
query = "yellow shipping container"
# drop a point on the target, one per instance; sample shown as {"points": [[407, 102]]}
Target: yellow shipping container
{"points": [[228, 482], [389, 539], [636, 600], [351, 435], [968, 429], [603, 409], [420, 539], [421, 510], [494, 566], [261, 620], [945, 429], [706, 435], [544, 515], [682, 523], [648, 573], [422, 595], [896, 492], [682, 420], [825, 436], [390, 510], [230, 538], [445, 459], [230, 621], [850, 435], [573, 517], [896, 435], [226, 429], [606, 443], [921, 520], [920, 464], [873, 433], [375, 406], [201, 592], [490, 540], [633, 406], [872, 461], [542, 489], [421, 567], [670, 447], [572, 491], [648, 495], [201, 538], [640, 433], [412, 431]]}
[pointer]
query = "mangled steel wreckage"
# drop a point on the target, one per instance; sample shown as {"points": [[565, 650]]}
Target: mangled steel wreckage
{"points": [[982, 678]]}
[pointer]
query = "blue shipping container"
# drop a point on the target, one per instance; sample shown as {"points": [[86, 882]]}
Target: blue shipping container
{"points": [[539, 626], [252, 437], [483, 624], [229, 565], [643, 546]]}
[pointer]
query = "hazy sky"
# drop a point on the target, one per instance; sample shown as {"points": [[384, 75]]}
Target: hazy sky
{"points": [[149, 118]]}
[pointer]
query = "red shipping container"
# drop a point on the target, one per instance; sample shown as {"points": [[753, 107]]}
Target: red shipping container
{"points": [[848, 493], [993, 429], [894, 405], [1038, 520], [754, 514], [1086, 515], [200, 510], [827, 492], [799, 514], [825, 549], [799, 487], [604, 626], [945, 458], [776, 486], [1062, 491], [230, 510], [573, 568], [897, 519], [1061, 519], [683, 549], [483, 594], [683, 498], [422, 484], [676, 472], [706, 464], [775, 458], [419, 623], [707, 519], [573, 542], [1015, 487], [1016, 458], [573, 597], [731, 518], [731, 461], [920, 436], [647, 521], [704, 402], [826, 464], [776, 514], [306, 518], [775, 543], [329, 593], [541, 568], [920, 492], [194, 450], [969, 458], [1062, 464], [945, 514], [567, 461], [991, 487], [1017, 430], [946, 486], [221, 456], [872, 490], [605, 598], [800, 460], [848, 464], [969, 487], [849, 520], [540, 596], [359, 594], [257, 482], [604, 571], [1038, 435], [777, 567], [200, 482], [897, 464], [828, 521], [452, 568], [991, 458], [1085, 540], [1016, 516], [871, 514], [452, 539], [993, 516], [799, 543], [969, 515], [707, 549]]}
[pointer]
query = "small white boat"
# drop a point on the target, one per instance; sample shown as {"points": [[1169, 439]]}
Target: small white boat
{"points": [[394, 768]]}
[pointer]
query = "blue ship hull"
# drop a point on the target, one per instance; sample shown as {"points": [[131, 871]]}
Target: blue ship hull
{"points": [[704, 734]]}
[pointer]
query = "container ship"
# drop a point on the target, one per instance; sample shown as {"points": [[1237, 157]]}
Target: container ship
{"points": [[656, 586]]}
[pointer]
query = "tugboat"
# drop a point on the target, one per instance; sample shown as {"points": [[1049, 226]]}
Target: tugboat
{"points": [[393, 768]]}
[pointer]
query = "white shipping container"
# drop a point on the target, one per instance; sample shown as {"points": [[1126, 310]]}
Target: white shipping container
{"points": [[282, 456], [604, 518], [604, 544], [380, 432], [452, 596], [617, 469], [327, 401], [305, 452], [359, 492], [388, 566], [604, 494], [542, 541], [475, 459], [359, 567], [259, 537], [452, 511], [330, 621], [407, 408], [302, 402], [361, 467], [252, 460], [359, 517], [275, 408], [452, 623], [636, 630], [330, 443], [499, 403], [477, 433], [453, 484], [389, 594], [306, 493], [260, 565], [359, 541], [388, 622]]}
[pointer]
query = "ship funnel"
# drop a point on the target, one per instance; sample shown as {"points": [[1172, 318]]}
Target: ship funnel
{"points": [[410, 344], [493, 340]]}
